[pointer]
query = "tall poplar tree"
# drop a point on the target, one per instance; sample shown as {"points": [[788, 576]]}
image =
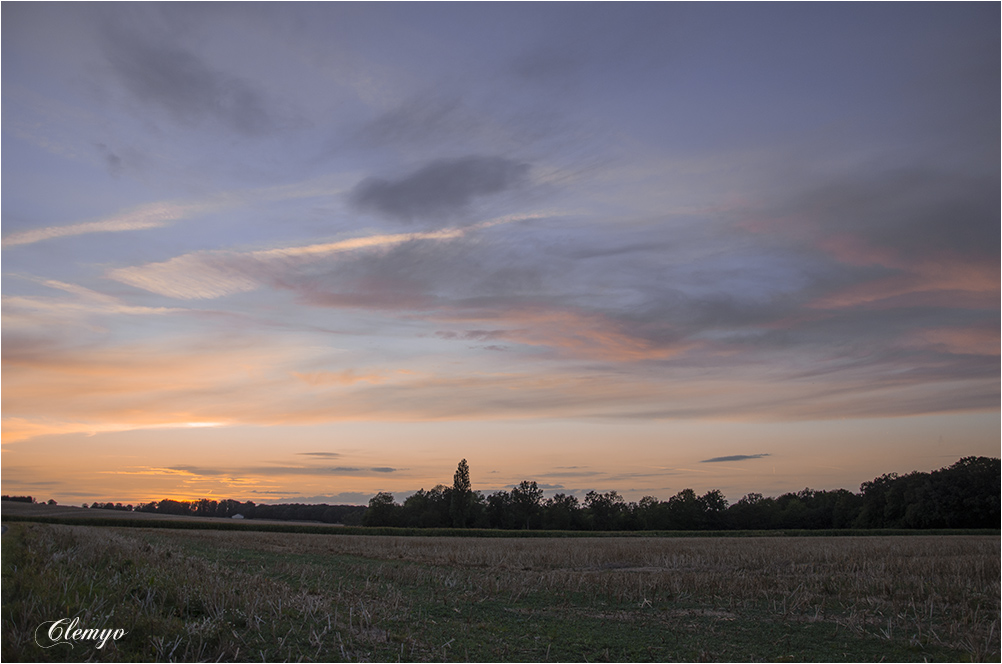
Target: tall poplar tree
{"points": [[462, 496]]}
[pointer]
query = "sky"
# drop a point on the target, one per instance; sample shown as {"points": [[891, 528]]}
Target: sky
{"points": [[309, 252]]}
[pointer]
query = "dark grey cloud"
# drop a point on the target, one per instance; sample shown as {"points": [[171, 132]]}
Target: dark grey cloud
{"points": [[916, 213], [326, 455], [181, 83], [734, 457], [471, 335], [112, 161], [442, 188]]}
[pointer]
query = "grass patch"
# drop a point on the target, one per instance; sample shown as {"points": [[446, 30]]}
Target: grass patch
{"points": [[200, 594]]}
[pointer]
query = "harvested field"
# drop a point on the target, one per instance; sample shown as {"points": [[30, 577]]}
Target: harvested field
{"points": [[197, 595]]}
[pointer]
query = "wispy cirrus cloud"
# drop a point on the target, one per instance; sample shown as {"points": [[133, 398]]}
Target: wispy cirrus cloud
{"points": [[213, 274], [154, 215], [23, 309], [16, 429], [164, 213], [259, 471]]}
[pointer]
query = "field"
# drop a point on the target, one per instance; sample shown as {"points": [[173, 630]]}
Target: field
{"points": [[196, 595]]}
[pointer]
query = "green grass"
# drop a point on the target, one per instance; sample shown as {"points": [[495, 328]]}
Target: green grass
{"points": [[190, 595]]}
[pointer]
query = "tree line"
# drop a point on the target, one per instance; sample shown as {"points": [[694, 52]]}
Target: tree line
{"points": [[349, 515], [18, 499], [963, 495]]}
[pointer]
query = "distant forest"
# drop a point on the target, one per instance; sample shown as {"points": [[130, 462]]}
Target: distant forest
{"points": [[963, 495]]}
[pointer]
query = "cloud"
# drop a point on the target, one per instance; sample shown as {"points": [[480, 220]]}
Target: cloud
{"points": [[154, 215], [734, 457], [972, 340], [442, 188], [28, 311], [909, 215], [16, 429], [895, 239], [347, 377], [716, 318], [325, 455], [198, 276], [51, 389], [160, 214], [471, 335], [272, 471], [469, 285], [581, 333], [113, 162], [213, 274], [181, 83], [343, 498], [689, 303]]}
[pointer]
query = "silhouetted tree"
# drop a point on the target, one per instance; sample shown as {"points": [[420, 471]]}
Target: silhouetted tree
{"points": [[964, 495], [561, 512], [382, 511], [526, 498], [685, 511], [429, 509], [650, 514], [604, 511], [500, 510], [206, 507], [174, 507], [461, 500], [714, 506]]}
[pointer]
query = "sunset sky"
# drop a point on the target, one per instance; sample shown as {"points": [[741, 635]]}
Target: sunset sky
{"points": [[308, 252]]}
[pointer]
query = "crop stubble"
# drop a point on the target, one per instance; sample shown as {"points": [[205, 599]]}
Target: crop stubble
{"points": [[195, 595]]}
